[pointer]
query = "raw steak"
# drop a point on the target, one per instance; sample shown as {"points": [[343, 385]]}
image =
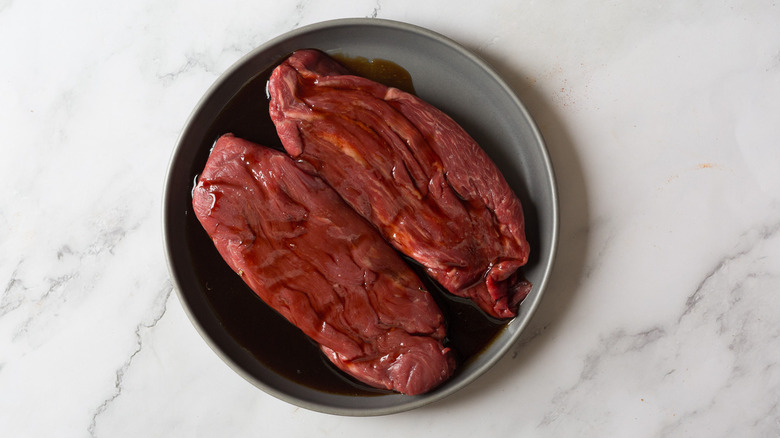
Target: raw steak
{"points": [[409, 169], [323, 267]]}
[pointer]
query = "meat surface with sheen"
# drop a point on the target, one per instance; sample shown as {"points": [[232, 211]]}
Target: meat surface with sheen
{"points": [[309, 256], [411, 171]]}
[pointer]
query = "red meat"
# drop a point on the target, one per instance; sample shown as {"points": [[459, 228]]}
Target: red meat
{"points": [[411, 171], [308, 255]]}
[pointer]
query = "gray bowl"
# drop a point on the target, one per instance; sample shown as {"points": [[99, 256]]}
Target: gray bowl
{"points": [[443, 73]]}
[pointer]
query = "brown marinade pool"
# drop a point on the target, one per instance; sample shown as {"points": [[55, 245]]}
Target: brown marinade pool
{"points": [[255, 326]]}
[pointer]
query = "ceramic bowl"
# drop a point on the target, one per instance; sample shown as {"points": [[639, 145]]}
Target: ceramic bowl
{"points": [[444, 74]]}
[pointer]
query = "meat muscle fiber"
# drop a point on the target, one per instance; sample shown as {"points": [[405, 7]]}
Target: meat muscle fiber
{"points": [[309, 256], [409, 169]]}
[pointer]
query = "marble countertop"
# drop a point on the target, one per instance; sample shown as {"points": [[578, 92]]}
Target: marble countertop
{"points": [[662, 317]]}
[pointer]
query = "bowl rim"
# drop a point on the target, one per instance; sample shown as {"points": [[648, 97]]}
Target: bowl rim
{"points": [[411, 402]]}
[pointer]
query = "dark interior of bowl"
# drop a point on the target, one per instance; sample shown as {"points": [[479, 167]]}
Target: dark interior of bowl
{"points": [[258, 343]]}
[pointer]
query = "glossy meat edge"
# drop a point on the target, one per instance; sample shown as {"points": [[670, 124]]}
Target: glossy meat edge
{"points": [[309, 256], [411, 171]]}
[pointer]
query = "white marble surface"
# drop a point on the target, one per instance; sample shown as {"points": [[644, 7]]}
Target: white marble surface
{"points": [[663, 124]]}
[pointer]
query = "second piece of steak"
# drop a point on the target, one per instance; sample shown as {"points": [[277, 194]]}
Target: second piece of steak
{"points": [[308, 255], [411, 171]]}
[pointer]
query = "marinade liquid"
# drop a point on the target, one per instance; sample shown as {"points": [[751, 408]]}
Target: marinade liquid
{"points": [[261, 330]]}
